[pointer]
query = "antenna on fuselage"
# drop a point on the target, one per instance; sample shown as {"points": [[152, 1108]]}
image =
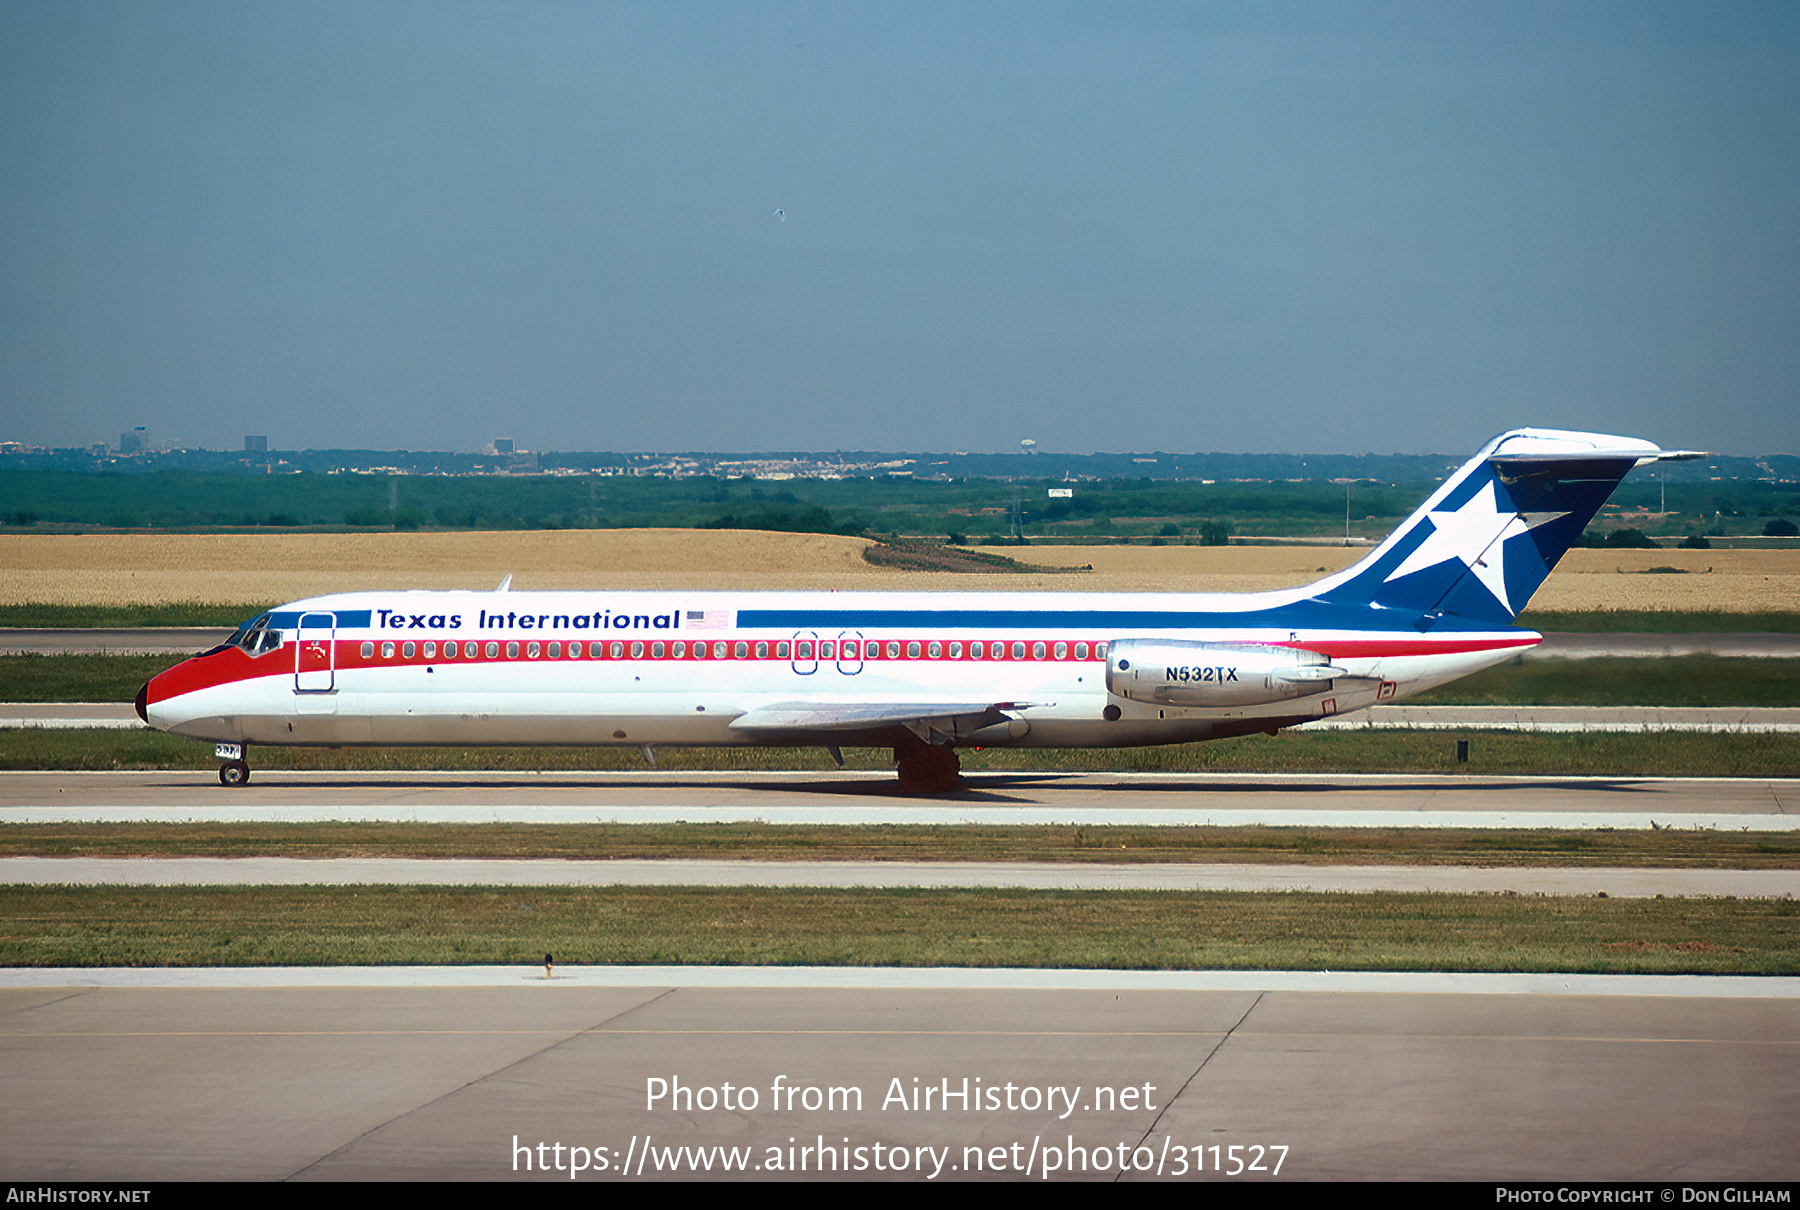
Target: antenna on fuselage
{"points": [[504, 584]]}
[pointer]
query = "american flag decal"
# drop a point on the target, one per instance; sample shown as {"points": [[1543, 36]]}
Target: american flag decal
{"points": [[707, 619]]}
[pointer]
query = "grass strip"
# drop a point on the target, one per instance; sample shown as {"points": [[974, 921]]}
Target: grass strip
{"points": [[36, 677], [124, 617], [1521, 848], [1677, 680], [1659, 621], [1599, 754], [1114, 930]]}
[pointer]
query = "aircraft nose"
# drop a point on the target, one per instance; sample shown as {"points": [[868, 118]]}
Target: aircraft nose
{"points": [[143, 699]]}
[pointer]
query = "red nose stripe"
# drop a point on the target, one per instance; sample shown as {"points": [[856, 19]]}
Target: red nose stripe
{"points": [[220, 668]]}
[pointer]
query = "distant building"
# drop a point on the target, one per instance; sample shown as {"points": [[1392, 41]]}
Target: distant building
{"points": [[503, 445], [134, 441], [259, 445]]}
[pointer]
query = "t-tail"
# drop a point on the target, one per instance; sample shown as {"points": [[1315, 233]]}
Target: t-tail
{"points": [[1483, 543]]}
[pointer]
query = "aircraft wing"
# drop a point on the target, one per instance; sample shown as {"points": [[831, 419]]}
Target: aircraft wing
{"points": [[949, 720]]}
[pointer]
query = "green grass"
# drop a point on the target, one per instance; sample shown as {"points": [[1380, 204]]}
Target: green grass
{"points": [[1609, 754], [1659, 621], [124, 617], [1523, 848], [1678, 680], [1117, 930], [78, 678]]}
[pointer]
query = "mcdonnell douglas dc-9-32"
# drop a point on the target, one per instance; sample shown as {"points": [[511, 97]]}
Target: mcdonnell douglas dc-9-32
{"points": [[922, 673]]}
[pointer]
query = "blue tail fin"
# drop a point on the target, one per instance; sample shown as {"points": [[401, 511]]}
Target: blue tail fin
{"points": [[1485, 540]]}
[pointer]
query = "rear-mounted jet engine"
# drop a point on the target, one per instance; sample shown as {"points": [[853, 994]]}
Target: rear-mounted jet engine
{"points": [[1173, 673]]}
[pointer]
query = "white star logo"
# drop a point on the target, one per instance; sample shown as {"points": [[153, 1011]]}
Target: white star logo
{"points": [[1476, 534]]}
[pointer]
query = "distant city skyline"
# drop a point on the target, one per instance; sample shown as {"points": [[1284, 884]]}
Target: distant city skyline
{"points": [[1280, 228]]}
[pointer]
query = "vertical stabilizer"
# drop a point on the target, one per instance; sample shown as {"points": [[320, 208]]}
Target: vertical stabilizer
{"points": [[1483, 543]]}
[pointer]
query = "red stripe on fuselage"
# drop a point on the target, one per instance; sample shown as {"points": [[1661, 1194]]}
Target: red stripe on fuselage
{"points": [[233, 665], [220, 668]]}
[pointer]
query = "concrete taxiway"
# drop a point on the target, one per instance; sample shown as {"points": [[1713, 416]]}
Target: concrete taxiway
{"points": [[282, 871], [655, 796], [960, 1075]]}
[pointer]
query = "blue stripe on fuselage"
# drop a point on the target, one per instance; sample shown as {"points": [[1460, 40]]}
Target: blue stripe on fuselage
{"points": [[1300, 615]]}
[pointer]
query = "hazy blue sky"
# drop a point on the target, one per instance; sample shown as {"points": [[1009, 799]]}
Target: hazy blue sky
{"points": [[1282, 227]]}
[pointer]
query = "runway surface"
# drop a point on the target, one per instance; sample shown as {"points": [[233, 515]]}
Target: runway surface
{"points": [[497, 1073], [653, 796], [500, 1082]]}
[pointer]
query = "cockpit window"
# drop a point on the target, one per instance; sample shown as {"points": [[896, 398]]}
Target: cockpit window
{"points": [[255, 638]]}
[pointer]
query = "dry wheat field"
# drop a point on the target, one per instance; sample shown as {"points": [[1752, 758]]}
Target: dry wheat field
{"points": [[261, 569]]}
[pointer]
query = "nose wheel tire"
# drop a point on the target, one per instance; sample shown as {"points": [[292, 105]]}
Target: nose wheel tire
{"points": [[234, 773]]}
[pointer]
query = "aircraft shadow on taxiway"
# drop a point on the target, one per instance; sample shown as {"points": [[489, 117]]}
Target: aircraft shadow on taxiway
{"points": [[976, 786]]}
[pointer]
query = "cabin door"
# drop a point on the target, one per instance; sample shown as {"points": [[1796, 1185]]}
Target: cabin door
{"points": [[315, 654]]}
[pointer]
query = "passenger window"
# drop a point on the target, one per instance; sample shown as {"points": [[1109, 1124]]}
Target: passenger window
{"points": [[387, 651], [1018, 651], [1062, 651], [512, 651], [554, 651], [1099, 651], [740, 650], [493, 651], [1037, 651], [827, 647], [637, 651], [679, 651], [368, 650], [531, 651], [718, 651], [803, 650], [912, 651], [594, 650], [407, 649], [617, 651], [656, 651], [431, 651], [935, 650], [893, 651], [781, 651], [956, 651], [975, 651], [1081, 651], [762, 651]]}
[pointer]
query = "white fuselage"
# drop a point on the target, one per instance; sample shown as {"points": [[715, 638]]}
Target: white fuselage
{"points": [[677, 668]]}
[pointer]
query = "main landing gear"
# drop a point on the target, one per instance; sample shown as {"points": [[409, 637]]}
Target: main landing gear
{"points": [[236, 770], [928, 769]]}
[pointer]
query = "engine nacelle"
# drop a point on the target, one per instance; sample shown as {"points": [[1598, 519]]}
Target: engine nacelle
{"points": [[1175, 673]]}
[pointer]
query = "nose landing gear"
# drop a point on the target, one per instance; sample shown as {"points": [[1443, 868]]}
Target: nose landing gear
{"points": [[236, 770]]}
